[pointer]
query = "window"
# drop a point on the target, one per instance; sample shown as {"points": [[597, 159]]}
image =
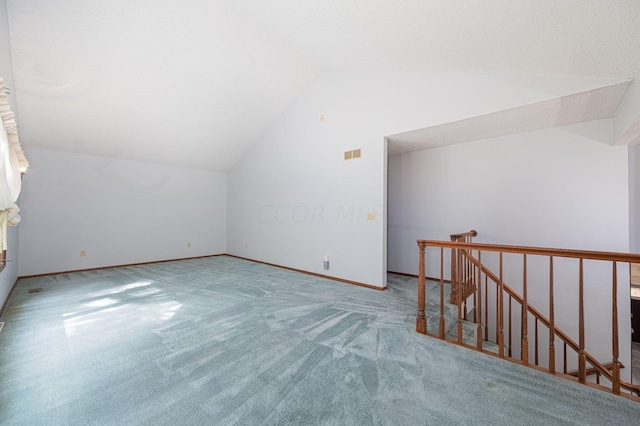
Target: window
{"points": [[13, 164]]}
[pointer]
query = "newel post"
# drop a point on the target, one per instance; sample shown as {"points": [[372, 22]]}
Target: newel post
{"points": [[421, 321]]}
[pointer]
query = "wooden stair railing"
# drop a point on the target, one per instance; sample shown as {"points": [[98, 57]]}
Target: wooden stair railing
{"points": [[464, 283], [467, 267], [597, 367]]}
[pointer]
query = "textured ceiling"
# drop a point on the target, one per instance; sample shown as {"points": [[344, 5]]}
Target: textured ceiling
{"points": [[196, 83], [596, 104], [596, 38]]}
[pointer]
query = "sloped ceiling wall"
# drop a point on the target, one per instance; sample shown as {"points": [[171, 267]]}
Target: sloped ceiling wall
{"points": [[189, 84]]}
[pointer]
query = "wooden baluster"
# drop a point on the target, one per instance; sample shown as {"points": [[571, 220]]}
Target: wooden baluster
{"points": [[524, 344], [486, 308], [509, 326], [536, 342], [421, 321], [552, 327], [442, 325], [453, 297], [460, 272], [597, 377], [468, 289], [464, 287], [582, 358], [615, 368], [475, 303], [479, 305], [469, 277], [501, 310], [472, 286], [497, 310], [565, 358]]}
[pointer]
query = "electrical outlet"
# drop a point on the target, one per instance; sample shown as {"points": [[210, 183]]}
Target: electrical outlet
{"points": [[246, 245], [188, 245], [83, 253], [371, 216]]}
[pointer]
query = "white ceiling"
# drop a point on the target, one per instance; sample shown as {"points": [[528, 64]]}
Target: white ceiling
{"points": [[596, 38], [196, 83], [590, 105]]}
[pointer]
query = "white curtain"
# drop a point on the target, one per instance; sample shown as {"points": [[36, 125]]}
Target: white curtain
{"points": [[12, 165]]}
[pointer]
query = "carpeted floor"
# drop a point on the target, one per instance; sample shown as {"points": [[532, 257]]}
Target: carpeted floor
{"points": [[220, 341]]}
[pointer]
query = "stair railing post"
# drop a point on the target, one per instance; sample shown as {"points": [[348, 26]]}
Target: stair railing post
{"points": [[464, 263], [421, 321], [615, 368], [459, 301], [524, 345], [478, 314], [500, 312], [582, 358], [442, 324], [552, 326]]}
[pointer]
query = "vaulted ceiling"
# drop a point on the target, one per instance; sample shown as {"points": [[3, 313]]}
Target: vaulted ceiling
{"points": [[196, 83]]}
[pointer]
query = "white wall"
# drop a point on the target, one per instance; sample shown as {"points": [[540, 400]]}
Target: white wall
{"points": [[118, 211], [548, 188], [626, 130], [6, 63], [9, 275], [551, 188], [634, 198], [627, 117], [293, 199]]}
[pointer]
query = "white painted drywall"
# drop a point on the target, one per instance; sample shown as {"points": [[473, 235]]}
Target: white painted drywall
{"points": [[6, 62], [634, 198], [293, 199], [626, 130], [9, 275], [550, 188], [627, 118], [118, 211]]}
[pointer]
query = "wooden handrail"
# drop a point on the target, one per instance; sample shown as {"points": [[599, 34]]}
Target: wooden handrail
{"points": [[592, 371], [543, 251], [463, 266], [562, 335], [597, 365]]}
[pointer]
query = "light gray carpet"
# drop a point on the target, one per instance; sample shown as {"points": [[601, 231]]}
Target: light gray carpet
{"points": [[220, 341]]}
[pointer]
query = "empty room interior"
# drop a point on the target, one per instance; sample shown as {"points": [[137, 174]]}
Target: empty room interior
{"points": [[339, 212]]}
